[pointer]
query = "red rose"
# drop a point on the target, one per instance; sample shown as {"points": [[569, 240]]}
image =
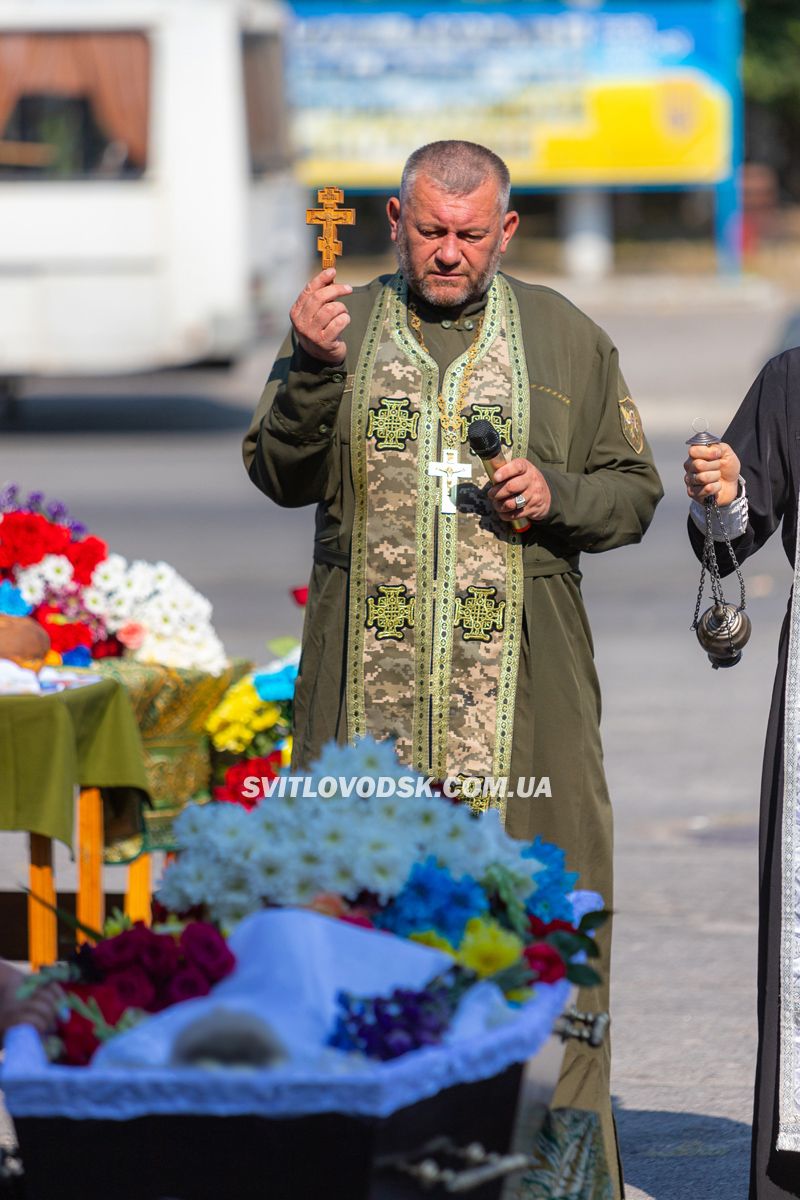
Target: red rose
{"points": [[232, 791], [545, 961], [205, 948], [300, 596], [134, 987], [184, 985], [25, 539], [64, 634], [540, 928], [85, 556]]}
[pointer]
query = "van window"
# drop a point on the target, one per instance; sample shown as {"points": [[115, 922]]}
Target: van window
{"points": [[264, 93], [74, 105]]}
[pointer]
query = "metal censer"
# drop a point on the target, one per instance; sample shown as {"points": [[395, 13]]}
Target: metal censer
{"points": [[724, 629]]}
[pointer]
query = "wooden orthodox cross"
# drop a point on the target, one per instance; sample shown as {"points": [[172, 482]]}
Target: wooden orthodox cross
{"points": [[329, 216]]}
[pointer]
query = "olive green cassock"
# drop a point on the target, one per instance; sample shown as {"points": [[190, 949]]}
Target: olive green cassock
{"points": [[586, 438]]}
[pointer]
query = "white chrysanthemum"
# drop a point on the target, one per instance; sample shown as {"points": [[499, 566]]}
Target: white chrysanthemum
{"points": [[342, 876], [429, 820], [138, 581], [159, 618], [194, 826], [383, 872], [95, 601], [230, 829], [163, 576], [331, 834], [193, 879], [273, 874], [120, 609], [109, 574], [378, 759], [56, 571], [31, 584]]}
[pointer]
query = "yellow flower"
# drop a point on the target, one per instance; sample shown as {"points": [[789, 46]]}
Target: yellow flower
{"points": [[266, 718], [429, 937], [487, 948]]}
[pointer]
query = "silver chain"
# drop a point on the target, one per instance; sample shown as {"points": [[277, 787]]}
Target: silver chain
{"points": [[710, 564]]}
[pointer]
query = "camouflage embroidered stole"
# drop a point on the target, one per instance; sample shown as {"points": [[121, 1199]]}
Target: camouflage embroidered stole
{"points": [[435, 605]]}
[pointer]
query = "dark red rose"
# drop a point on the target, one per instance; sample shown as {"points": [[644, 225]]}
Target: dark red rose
{"points": [[108, 648], [134, 987], [545, 961], [117, 953], [205, 948], [540, 928], [77, 1033], [159, 955], [185, 984]]}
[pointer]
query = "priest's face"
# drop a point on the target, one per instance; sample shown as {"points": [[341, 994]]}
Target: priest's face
{"points": [[449, 246]]}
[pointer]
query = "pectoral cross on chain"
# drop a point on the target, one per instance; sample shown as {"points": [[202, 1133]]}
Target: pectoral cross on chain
{"points": [[451, 470], [329, 217]]}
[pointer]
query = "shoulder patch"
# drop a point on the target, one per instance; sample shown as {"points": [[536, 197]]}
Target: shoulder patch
{"points": [[631, 424]]}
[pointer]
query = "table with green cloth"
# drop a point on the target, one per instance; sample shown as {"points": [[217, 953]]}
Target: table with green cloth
{"points": [[172, 706], [53, 743]]}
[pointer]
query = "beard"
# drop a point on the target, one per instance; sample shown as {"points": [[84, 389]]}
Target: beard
{"points": [[455, 294]]}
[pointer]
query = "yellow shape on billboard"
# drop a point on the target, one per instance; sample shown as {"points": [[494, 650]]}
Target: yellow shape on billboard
{"points": [[675, 129]]}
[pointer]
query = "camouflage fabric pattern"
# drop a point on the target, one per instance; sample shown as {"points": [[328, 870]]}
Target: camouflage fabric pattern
{"points": [[430, 607]]}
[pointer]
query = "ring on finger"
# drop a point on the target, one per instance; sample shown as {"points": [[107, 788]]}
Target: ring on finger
{"points": [[520, 500]]}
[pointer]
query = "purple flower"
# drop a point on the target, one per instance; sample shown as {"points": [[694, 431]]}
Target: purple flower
{"points": [[8, 498], [78, 529], [34, 500], [56, 511], [384, 1027]]}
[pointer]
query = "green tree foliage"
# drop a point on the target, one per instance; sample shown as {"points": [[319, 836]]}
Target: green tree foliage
{"points": [[772, 55]]}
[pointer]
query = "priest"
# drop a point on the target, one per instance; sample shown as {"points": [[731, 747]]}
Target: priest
{"points": [[754, 474], [430, 619]]}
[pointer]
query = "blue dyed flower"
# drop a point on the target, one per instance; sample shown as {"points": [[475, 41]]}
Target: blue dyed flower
{"points": [[11, 601], [81, 656], [276, 685], [549, 900], [433, 899]]}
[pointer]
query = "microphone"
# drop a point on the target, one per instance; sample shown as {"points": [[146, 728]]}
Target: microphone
{"points": [[484, 441]]}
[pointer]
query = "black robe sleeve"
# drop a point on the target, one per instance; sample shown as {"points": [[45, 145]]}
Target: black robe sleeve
{"points": [[760, 436]]}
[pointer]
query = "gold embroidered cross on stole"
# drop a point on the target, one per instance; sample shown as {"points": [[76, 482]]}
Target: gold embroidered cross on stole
{"points": [[329, 217], [450, 470]]}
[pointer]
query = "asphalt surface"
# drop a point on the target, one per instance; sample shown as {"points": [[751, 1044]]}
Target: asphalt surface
{"points": [[152, 464]]}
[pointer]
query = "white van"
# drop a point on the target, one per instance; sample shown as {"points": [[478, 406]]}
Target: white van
{"points": [[148, 214]]}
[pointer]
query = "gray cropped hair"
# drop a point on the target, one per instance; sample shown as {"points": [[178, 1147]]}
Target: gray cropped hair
{"points": [[458, 168]]}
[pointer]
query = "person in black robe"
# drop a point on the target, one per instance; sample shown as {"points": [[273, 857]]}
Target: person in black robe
{"points": [[762, 448]]}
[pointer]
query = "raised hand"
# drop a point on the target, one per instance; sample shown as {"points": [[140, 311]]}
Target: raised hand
{"points": [[712, 471], [319, 318]]}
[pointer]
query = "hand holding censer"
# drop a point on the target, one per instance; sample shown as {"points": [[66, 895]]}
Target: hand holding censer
{"points": [[724, 629]]}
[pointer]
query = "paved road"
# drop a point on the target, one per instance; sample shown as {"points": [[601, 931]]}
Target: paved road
{"points": [[153, 465]]}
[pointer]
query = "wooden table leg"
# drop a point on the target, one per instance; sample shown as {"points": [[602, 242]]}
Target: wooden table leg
{"points": [[139, 894], [90, 903], [42, 922]]}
